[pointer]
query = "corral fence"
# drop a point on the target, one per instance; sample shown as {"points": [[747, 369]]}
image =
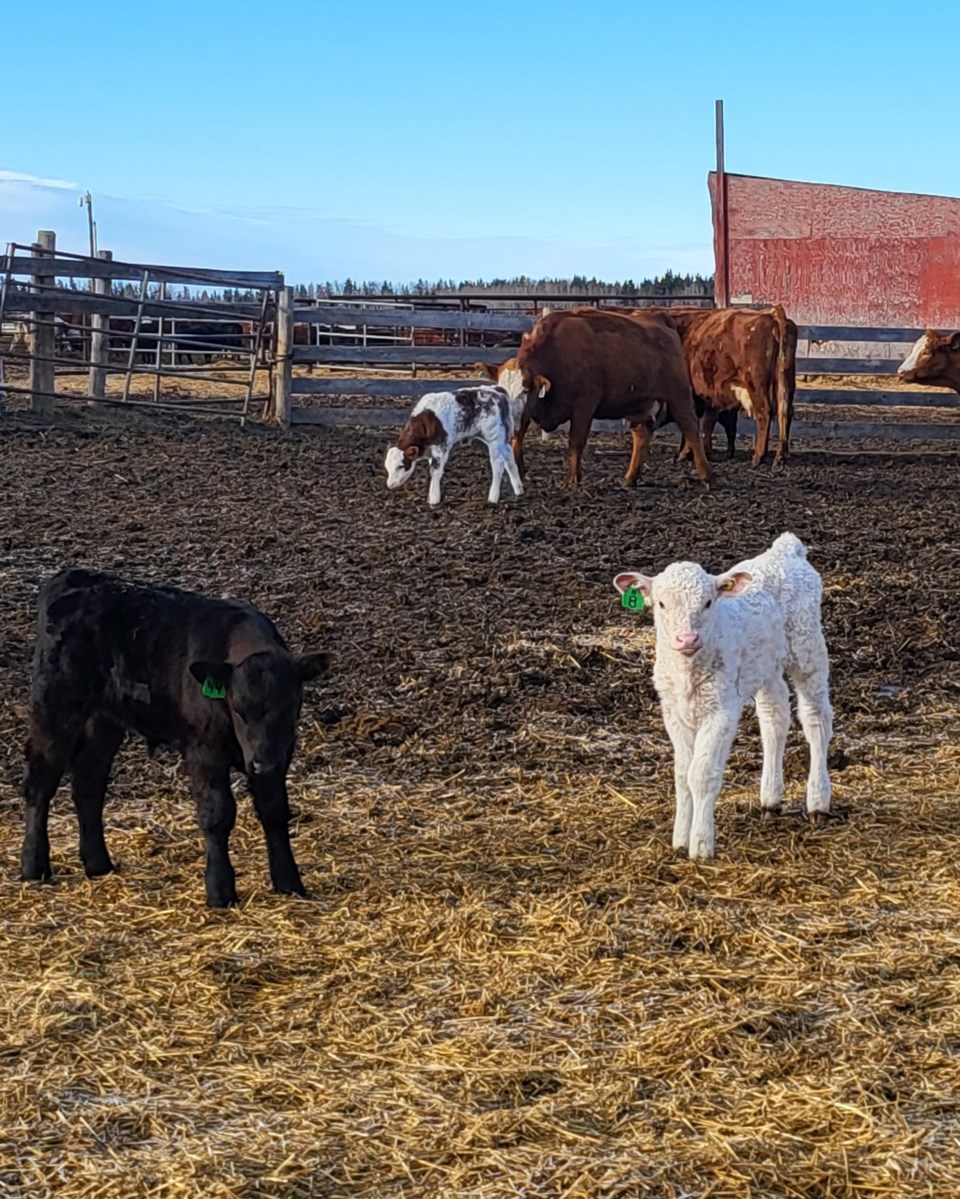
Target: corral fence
{"points": [[95, 343], [342, 359], [453, 337]]}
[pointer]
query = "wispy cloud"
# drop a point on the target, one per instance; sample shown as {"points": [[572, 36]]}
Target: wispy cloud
{"points": [[36, 180], [308, 245]]}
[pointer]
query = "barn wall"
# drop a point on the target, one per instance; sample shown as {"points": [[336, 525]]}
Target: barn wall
{"points": [[842, 255]]}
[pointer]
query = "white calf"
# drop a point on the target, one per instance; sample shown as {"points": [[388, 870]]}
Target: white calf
{"points": [[722, 640], [441, 419]]}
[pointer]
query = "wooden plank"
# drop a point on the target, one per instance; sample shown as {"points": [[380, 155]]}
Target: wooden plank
{"points": [[19, 302], [282, 401], [457, 356], [98, 341], [505, 321], [879, 399], [42, 333], [379, 418], [377, 387], [847, 366], [854, 333], [74, 268]]}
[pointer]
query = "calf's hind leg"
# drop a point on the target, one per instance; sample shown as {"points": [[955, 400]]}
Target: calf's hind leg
{"points": [[47, 755], [816, 720], [90, 768]]}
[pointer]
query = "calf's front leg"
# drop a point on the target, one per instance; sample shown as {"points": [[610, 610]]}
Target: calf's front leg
{"points": [[436, 465], [216, 815], [272, 806], [682, 739], [711, 749]]}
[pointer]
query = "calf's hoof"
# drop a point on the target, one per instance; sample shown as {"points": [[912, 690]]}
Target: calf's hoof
{"points": [[817, 819], [98, 869], [35, 868], [771, 813]]}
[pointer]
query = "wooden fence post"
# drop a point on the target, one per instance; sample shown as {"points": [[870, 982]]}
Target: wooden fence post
{"points": [[283, 372], [99, 327], [42, 343]]}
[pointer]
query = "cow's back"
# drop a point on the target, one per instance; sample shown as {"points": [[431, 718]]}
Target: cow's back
{"points": [[125, 650], [617, 364]]}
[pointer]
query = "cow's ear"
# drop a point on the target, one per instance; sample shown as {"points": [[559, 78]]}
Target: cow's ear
{"points": [[411, 452], [311, 666], [734, 582], [217, 674], [492, 371], [955, 342], [642, 583]]}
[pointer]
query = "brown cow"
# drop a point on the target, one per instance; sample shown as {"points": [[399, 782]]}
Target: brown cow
{"points": [[933, 361], [739, 358], [584, 364]]}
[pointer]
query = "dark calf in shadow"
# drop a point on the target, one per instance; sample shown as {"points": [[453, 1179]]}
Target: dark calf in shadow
{"points": [[210, 678]]}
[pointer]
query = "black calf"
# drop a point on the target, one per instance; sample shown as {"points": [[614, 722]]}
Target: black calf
{"points": [[210, 678]]}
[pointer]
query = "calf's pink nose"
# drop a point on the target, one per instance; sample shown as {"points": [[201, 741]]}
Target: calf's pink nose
{"points": [[686, 641]]}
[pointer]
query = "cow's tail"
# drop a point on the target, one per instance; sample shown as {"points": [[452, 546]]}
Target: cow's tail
{"points": [[784, 399]]}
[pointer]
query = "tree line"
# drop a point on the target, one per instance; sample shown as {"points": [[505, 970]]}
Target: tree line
{"points": [[670, 283]]}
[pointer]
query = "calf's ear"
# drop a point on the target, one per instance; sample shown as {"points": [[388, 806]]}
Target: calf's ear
{"points": [[734, 582], [411, 452], [311, 666], [955, 342], [218, 673], [643, 583], [492, 371]]}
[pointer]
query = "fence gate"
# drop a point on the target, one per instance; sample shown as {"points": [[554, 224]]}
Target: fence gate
{"points": [[187, 339]]}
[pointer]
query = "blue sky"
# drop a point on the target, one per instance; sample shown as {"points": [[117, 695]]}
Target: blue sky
{"points": [[397, 140]]}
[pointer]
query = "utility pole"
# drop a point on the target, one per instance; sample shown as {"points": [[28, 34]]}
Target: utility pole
{"points": [[87, 199]]}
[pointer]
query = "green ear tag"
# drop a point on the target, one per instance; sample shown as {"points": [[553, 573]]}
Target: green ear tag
{"points": [[633, 599], [212, 691]]}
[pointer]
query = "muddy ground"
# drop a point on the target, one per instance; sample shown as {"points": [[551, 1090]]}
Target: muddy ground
{"points": [[466, 632], [504, 983]]}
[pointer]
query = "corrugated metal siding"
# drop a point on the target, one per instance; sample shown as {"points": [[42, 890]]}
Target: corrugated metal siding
{"points": [[843, 255]]}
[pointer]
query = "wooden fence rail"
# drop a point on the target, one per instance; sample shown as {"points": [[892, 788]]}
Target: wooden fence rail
{"points": [[512, 323]]}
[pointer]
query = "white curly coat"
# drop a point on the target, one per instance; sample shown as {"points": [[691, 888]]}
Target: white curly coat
{"points": [[721, 641]]}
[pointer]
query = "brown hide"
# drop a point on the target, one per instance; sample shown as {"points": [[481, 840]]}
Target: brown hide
{"points": [[592, 365], [731, 350], [421, 430]]}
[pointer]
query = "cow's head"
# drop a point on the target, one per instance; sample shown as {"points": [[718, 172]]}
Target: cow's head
{"points": [[263, 695], [399, 464], [683, 599], [934, 360]]}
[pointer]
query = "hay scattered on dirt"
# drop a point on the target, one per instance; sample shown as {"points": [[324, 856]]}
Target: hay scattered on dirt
{"points": [[504, 983]]}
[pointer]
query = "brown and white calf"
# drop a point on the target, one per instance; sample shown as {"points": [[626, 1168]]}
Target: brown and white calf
{"points": [[440, 420], [934, 361]]}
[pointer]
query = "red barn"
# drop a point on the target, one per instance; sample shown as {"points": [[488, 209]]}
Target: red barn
{"points": [[839, 255]]}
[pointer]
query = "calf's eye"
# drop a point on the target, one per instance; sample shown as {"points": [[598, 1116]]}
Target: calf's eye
{"points": [[661, 603], [708, 603]]}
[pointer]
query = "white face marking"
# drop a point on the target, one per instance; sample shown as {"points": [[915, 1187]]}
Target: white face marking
{"points": [[396, 466], [910, 362], [743, 398], [511, 380]]}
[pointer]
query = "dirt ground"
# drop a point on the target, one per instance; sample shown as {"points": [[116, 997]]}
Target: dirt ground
{"points": [[503, 982]]}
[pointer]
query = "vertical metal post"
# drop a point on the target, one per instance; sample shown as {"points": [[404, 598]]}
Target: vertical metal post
{"points": [[254, 355], [4, 289], [99, 328], [136, 334], [43, 336], [722, 281], [158, 356]]}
